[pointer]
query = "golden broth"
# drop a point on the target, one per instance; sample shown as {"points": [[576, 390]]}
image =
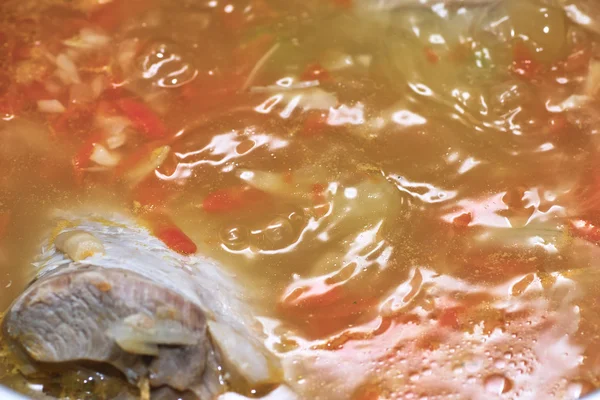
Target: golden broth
{"points": [[408, 188]]}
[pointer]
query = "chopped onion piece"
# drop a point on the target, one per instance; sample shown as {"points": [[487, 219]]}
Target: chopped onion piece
{"points": [[126, 54], [66, 64], [51, 106], [115, 130], [88, 39], [104, 157], [98, 85], [78, 245]]}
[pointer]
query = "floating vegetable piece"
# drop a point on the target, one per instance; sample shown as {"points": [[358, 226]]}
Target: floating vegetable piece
{"points": [[171, 235], [51, 106], [143, 118], [144, 164], [78, 245], [81, 160], [104, 157]]}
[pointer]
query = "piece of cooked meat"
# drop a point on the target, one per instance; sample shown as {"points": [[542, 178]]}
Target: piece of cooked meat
{"points": [[107, 291]]}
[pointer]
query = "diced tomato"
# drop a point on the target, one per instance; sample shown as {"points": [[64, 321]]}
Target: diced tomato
{"points": [[524, 63], [585, 230], [143, 118], [315, 72], [315, 123], [233, 199], [431, 55]]}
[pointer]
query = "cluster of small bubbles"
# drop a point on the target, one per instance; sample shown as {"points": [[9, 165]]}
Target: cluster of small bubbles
{"points": [[235, 237], [279, 231], [277, 234]]}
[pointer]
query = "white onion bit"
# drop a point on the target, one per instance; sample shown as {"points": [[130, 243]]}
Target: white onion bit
{"points": [[102, 156], [66, 64], [78, 245], [51, 106]]}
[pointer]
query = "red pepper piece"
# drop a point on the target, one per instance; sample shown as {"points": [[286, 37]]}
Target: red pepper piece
{"points": [[176, 240], [233, 199], [143, 118], [170, 234]]}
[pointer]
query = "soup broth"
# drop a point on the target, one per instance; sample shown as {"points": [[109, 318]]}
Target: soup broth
{"points": [[409, 187]]}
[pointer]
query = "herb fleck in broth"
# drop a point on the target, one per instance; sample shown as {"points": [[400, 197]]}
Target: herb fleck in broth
{"points": [[409, 187]]}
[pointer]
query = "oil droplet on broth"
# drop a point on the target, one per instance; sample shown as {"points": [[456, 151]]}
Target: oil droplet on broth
{"points": [[497, 384]]}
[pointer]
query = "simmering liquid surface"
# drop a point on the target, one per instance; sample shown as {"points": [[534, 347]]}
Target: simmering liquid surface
{"points": [[410, 188]]}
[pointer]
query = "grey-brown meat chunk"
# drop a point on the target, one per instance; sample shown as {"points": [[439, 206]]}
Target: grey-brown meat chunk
{"points": [[170, 320]]}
